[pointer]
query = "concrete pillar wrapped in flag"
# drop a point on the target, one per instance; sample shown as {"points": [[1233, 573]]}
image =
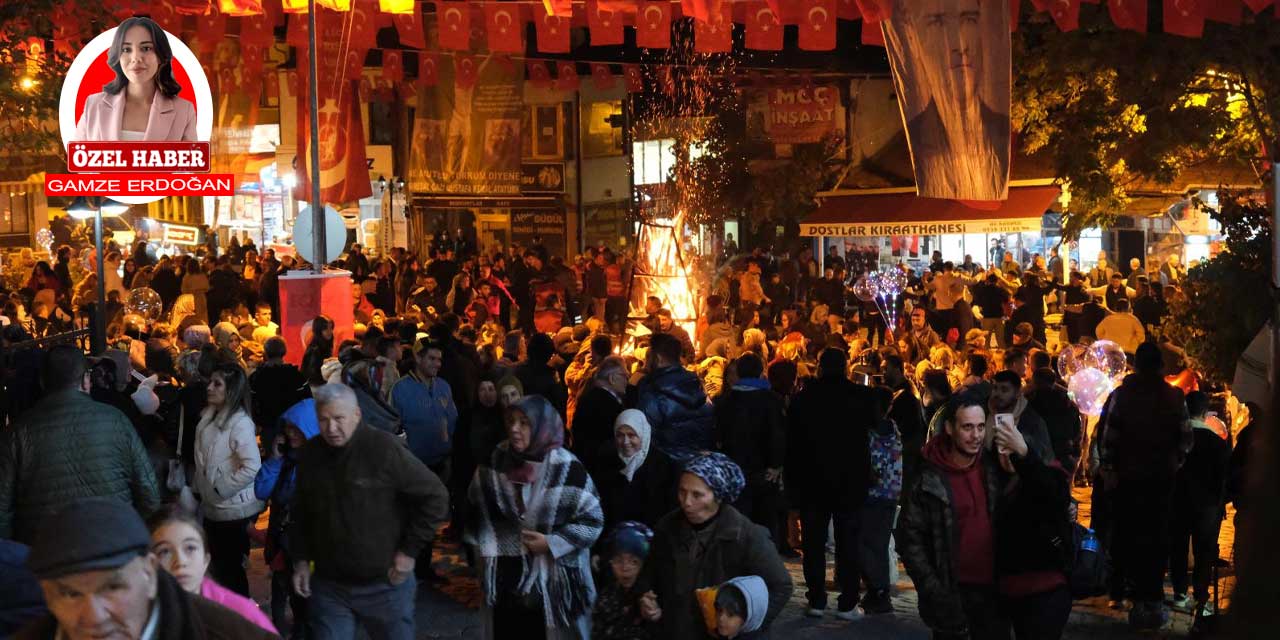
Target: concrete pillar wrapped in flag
{"points": [[952, 74]]}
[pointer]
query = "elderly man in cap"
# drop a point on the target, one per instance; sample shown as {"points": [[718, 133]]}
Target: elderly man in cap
{"points": [[68, 446], [100, 581], [364, 509]]}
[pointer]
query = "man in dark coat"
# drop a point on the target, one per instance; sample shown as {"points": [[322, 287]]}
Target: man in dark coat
{"points": [[674, 401], [166, 283], [828, 471], [1061, 417], [907, 413], [598, 408], [538, 377], [751, 430], [224, 289], [1199, 499]]}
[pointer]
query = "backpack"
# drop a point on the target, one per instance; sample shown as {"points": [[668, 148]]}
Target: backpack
{"points": [[1090, 572]]}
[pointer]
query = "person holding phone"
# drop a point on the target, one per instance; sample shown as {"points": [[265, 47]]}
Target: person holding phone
{"points": [[1010, 407], [141, 102]]}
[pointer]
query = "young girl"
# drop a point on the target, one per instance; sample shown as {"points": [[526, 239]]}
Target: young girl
{"points": [[618, 613], [740, 606], [179, 542]]}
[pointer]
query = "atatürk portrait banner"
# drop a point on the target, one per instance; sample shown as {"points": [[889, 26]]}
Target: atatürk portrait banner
{"points": [[950, 61]]}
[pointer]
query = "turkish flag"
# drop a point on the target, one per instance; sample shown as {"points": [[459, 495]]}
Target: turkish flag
{"points": [[875, 10], [604, 25], [848, 9], [1184, 17], [454, 23], [653, 25], [291, 81], [635, 79], [764, 29], [409, 28], [165, 16], [818, 28], [1257, 6], [363, 24], [464, 71], [539, 76], [428, 75], [1228, 11], [602, 76], [344, 175], [1066, 14], [506, 30], [257, 31], [567, 76], [355, 61], [210, 28], [251, 71], [553, 32], [700, 10], [715, 34], [241, 7], [1129, 14], [392, 66]]}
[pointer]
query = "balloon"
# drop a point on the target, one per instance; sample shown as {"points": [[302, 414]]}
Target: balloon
{"points": [[44, 238], [1090, 388], [1108, 357], [864, 289], [144, 302], [1071, 360]]}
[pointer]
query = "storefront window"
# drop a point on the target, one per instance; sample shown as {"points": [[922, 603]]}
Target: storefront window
{"points": [[602, 138], [653, 160], [1090, 244]]}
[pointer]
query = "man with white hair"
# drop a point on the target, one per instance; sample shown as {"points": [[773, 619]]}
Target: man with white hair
{"points": [[365, 508]]}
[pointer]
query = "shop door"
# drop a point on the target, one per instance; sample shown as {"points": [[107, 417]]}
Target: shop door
{"points": [[1130, 243]]}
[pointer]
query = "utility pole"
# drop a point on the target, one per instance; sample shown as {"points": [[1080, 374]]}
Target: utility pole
{"points": [[318, 244]]}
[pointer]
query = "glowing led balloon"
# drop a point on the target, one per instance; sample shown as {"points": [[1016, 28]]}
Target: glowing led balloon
{"points": [[144, 302], [1108, 357], [44, 238], [1072, 359], [1089, 388], [864, 289]]}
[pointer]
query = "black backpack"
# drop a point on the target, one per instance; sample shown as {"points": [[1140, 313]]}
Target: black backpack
{"points": [[1090, 571]]}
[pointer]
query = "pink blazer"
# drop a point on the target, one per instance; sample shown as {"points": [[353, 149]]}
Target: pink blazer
{"points": [[171, 119]]}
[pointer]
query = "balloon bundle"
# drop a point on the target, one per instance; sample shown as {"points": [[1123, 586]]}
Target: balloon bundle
{"points": [[883, 287], [1092, 372], [44, 238]]}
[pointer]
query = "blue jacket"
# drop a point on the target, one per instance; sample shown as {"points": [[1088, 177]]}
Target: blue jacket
{"points": [[21, 599], [303, 416], [676, 405], [428, 414]]}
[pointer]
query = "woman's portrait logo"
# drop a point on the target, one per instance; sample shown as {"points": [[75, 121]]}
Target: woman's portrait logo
{"points": [[135, 83]]}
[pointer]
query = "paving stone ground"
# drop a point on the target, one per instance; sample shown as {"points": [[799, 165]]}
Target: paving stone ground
{"points": [[450, 610]]}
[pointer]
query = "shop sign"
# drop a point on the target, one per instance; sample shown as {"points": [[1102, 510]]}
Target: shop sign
{"points": [[542, 177], [547, 224], [880, 229], [795, 114], [180, 234]]}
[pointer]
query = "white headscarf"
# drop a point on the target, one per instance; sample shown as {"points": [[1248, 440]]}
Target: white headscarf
{"points": [[636, 420]]}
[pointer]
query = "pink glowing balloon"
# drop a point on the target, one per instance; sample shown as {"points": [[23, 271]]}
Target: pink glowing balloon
{"points": [[1090, 388]]}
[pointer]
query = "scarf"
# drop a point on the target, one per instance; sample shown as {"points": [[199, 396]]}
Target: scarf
{"points": [[562, 505], [722, 475], [637, 421], [546, 434]]}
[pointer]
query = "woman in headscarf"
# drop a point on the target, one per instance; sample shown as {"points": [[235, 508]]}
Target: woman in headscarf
{"points": [[534, 516], [230, 344], [638, 484], [706, 543], [183, 308]]}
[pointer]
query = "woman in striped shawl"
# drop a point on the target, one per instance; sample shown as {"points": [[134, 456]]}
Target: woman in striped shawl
{"points": [[535, 515]]}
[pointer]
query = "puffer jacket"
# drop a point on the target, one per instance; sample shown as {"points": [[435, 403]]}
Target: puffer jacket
{"points": [[227, 462], [67, 447], [676, 405]]}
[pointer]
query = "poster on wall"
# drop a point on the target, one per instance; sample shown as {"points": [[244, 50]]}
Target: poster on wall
{"points": [[951, 70], [796, 113], [467, 130], [545, 224]]}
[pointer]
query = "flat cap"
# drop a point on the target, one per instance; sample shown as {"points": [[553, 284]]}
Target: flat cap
{"points": [[90, 534]]}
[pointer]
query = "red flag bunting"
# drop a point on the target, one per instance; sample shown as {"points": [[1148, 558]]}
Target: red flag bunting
{"points": [[392, 66], [355, 61], [506, 30], [409, 28], [164, 14], [455, 25], [567, 76], [700, 10], [763, 28], [848, 9], [818, 30], [428, 76], [602, 76], [553, 31], [1129, 14], [715, 34], [1227, 11], [257, 31], [364, 24], [291, 79], [464, 71], [344, 176], [539, 76], [1066, 14], [210, 28], [1184, 17], [653, 25], [635, 80], [604, 25]]}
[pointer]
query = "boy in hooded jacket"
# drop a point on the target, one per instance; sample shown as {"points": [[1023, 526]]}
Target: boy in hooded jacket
{"points": [[740, 606]]}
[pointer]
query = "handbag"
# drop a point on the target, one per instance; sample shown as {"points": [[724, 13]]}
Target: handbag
{"points": [[176, 480]]}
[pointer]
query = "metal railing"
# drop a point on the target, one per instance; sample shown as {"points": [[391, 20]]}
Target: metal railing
{"points": [[80, 337]]}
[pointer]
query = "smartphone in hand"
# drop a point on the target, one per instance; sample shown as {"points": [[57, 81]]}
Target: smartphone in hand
{"points": [[1004, 421]]}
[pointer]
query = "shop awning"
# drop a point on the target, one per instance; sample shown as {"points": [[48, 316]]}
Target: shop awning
{"points": [[905, 214]]}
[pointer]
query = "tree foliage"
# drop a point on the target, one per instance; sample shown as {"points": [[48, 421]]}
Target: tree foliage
{"points": [[1225, 301], [1113, 108]]}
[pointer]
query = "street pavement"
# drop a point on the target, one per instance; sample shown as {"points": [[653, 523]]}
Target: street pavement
{"points": [[449, 610]]}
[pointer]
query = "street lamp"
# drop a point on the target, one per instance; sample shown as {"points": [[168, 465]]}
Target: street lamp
{"points": [[112, 209], [80, 209]]}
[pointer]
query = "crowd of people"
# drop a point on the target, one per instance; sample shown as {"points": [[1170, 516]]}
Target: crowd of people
{"points": [[611, 472]]}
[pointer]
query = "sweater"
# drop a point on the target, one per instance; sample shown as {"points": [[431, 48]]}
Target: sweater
{"points": [[429, 416], [355, 506]]}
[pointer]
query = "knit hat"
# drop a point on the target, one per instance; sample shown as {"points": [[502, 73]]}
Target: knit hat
{"points": [[632, 538], [90, 534], [722, 475]]}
